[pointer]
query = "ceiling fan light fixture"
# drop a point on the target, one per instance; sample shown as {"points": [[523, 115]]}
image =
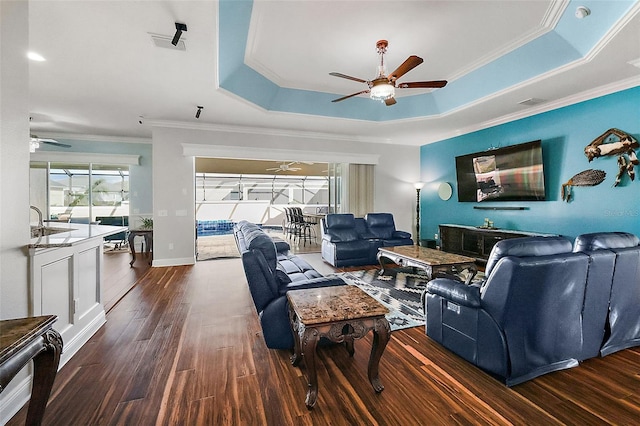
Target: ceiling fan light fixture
{"points": [[382, 90]]}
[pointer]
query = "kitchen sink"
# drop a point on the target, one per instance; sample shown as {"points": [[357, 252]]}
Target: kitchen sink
{"points": [[37, 231]]}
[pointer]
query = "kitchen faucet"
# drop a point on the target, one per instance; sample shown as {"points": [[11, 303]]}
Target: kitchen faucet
{"points": [[40, 222]]}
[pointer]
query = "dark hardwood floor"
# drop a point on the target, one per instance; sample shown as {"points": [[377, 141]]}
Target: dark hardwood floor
{"points": [[119, 277], [183, 347]]}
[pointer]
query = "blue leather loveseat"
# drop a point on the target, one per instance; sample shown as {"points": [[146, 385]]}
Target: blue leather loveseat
{"points": [[351, 241], [271, 270], [544, 305]]}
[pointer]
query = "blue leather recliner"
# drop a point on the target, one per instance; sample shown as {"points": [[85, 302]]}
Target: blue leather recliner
{"points": [[271, 270], [351, 241], [613, 295], [524, 319]]}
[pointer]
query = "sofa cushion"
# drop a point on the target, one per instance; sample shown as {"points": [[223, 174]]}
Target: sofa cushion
{"points": [[525, 247], [363, 230], [297, 269], [341, 228], [256, 239], [605, 240], [282, 277], [381, 224]]}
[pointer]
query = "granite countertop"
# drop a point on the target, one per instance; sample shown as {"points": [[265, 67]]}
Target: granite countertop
{"points": [[74, 233]]}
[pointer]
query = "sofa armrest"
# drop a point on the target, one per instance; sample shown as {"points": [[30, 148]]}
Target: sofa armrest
{"points": [[455, 291], [401, 234], [312, 283], [331, 238]]}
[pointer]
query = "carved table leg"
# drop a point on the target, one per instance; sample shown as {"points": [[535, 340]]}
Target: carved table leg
{"points": [[348, 340], [380, 256], [132, 247], [295, 327], [381, 334], [45, 367], [309, 342], [148, 240]]}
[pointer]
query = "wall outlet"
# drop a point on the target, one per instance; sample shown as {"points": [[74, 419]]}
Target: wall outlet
{"points": [[163, 213], [435, 237], [170, 246]]}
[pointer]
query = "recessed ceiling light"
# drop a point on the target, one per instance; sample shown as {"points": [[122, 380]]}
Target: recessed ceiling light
{"points": [[35, 57]]}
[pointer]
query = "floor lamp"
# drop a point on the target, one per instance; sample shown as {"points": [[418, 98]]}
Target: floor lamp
{"points": [[418, 186]]}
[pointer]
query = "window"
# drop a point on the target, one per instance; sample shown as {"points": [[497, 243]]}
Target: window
{"points": [[79, 192]]}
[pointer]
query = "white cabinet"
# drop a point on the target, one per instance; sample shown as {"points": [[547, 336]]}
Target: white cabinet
{"points": [[66, 281]]}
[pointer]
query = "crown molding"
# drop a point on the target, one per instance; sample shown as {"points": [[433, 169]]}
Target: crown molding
{"points": [[261, 131], [612, 33], [255, 153], [548, 106], [86, 158], [549, 21], [93, 138]]}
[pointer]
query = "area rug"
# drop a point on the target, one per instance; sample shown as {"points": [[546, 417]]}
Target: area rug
{"points": [[399, 289]]}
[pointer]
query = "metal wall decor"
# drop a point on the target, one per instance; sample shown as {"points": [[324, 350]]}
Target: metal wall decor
{"points": [[615, 142], [585, 178]]}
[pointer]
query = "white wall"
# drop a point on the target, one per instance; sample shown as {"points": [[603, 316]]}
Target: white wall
{"points": [[14, 159], [173, 179], [14, 182]]}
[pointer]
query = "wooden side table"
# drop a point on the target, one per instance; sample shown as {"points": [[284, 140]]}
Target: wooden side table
{"points": [[148, 242], [340, 314], [31, 338]]}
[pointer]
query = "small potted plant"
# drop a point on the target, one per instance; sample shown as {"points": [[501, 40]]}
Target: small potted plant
{"points": [[147, 223]]}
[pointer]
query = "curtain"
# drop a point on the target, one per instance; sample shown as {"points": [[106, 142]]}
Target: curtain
{"points": [[360, 195]]}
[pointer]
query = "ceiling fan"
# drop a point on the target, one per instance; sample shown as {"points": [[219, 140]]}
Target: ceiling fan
{"points": [[382, 88], [35, 141], [286, 167]]}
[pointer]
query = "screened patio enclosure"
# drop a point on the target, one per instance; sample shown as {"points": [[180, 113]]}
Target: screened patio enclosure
{"points": [[258, 198]]}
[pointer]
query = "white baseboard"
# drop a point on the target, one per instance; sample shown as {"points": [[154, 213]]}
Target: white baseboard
{"points": [[13, 398], [72, 346], [175, 262]]}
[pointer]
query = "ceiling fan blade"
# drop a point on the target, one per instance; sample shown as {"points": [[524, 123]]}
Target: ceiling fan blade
{"points": [[435, 84], [348, 77], [390, 101], [411, 62], [350, 96], [52, 142]]}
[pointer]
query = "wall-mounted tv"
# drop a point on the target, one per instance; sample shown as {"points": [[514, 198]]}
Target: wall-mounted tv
{"points": [[511, 173]]}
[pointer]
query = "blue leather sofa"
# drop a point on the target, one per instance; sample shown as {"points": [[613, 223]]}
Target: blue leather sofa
{"points": [[614, 284], [271, 270], [351, 241], [543, 306], [524, 319]]}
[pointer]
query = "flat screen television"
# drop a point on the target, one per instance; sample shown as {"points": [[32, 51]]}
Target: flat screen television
{"points": [[511, 173]]}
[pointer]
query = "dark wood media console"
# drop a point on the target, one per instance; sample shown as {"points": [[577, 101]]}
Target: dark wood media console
{"points": [[475, 241]]}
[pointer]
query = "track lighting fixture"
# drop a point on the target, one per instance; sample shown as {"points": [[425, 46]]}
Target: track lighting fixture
{"points": [[199, 111], [179, 29]]}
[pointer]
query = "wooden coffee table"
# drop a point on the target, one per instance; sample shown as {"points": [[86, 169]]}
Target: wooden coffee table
{"points": [[429, 260], [340, 314]]}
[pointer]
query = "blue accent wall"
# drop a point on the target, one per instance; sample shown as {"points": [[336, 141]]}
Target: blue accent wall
{"points": [[564, 133]]}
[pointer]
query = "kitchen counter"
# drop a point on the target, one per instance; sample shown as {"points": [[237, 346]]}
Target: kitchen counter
{"points": [[65, 279], [76, 233]]}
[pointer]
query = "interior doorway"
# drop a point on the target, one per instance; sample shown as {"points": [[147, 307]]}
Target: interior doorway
{"points": [[230, 190]]}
